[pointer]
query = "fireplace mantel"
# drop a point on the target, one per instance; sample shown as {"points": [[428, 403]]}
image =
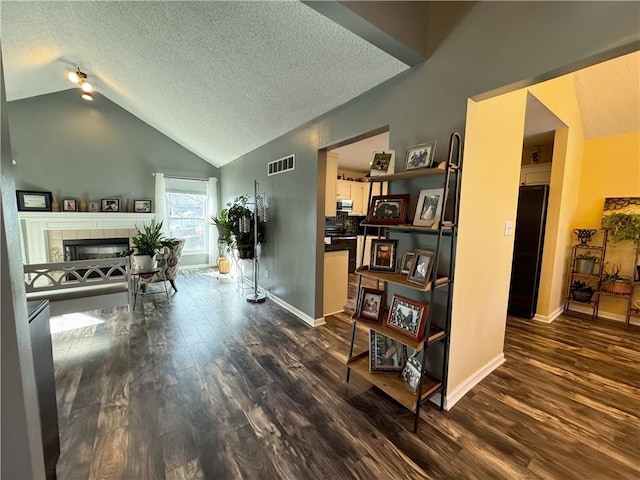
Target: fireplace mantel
{"points": [[34, 227]]}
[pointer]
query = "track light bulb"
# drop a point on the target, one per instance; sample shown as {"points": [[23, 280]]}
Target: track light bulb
{"points": [[87, 96], [74, 77], [86, 87]]}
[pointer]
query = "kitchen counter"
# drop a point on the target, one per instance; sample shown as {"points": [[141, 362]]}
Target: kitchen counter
{"points": [[336, 281]]}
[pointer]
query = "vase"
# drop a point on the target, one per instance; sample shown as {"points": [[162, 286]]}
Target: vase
{"points": [[584, 267], [55, 206], [83, 204], [224, 266], [129, 207], [584, 235]]}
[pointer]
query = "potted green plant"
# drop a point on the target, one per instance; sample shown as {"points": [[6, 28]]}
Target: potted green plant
{"points": [[222, 223], [614, 282], [241, 224], [581, 291], [586, 262], [149, 241]]}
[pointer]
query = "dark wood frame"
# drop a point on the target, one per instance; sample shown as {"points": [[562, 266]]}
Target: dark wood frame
{"points": [[136, 204], [375, 243], [104, 201], [75, 205], [418, 335], [371, 291], [422, 146], [411, 277], [21, 197], [377, 200], [374, 367]]}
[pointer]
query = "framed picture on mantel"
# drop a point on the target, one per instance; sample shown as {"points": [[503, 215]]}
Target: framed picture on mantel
{"points": [[33, 201]]}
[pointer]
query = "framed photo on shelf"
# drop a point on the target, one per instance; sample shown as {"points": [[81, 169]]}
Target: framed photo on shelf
{"points": [[420, 156], [385, 353], [388, 209], [110, 205], [94, 206], [371, 304], [382, 163], [406, 262], [420, 272], [407, 316], [411, 374], [383, 255], [429, 207], [69, 205], [142, 206], [33, 201]]}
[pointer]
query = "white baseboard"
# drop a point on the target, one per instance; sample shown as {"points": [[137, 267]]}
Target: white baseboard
{"points": [[454, 396], [314, 322], [604, 314], [548, 318]]}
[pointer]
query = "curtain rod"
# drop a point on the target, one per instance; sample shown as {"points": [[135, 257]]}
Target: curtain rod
{"points": [[188, 178]]}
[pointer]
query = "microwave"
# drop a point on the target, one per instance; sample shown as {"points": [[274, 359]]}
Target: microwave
{"points": [[344, 205]]}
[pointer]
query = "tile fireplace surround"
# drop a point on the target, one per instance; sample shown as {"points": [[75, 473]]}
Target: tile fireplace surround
{"points": [[42, 233]]}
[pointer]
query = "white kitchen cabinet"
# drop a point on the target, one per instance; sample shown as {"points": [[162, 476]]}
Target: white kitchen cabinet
{"points": [[331, 185], [539, 174], [344, 189]]}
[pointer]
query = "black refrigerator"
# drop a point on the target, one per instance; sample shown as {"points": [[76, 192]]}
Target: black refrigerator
{"points": [[527, 250]]}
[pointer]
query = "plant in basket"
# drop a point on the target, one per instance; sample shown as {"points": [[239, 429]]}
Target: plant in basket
{"points": [[614, 282], [581, 291]]}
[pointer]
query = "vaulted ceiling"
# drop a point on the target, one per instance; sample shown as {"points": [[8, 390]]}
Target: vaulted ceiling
{"points": [[222, 78]]}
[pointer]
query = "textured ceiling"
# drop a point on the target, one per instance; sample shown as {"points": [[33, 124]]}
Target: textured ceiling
{"points": [[609, 96], [220, 78]]}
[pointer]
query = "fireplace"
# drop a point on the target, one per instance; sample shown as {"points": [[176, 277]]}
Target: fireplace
{"points": [[93, 248]]}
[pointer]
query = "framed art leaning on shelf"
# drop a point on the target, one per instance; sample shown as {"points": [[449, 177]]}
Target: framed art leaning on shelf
{"points": [[407, 316], [385, 353], [429, 207], [388, 209]]}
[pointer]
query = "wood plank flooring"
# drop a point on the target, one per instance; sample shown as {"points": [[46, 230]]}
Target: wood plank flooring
{"points": [[207, 385]]}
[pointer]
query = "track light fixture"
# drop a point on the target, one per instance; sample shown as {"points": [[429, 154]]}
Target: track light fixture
{"points": [[80, 79]]}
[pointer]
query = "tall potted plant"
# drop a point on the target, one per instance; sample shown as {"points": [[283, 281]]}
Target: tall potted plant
{"points": [[225, 239], [147, 244], [241, 224]]}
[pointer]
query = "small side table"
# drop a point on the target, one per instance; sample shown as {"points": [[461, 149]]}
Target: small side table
{"points": [[135, 281]]}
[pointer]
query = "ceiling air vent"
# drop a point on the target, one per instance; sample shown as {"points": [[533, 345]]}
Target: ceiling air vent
{"points": [[282, 165]]}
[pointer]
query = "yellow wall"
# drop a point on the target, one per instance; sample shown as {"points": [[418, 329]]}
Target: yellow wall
{"points": [[489, 195], [610, 168], [559, 96]]}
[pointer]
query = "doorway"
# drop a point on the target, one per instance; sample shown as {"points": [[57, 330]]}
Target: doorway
{"points": [[344, 215]]}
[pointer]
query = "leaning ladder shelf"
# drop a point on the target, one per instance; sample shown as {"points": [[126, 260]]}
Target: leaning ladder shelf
{"points": [[429, 383]]}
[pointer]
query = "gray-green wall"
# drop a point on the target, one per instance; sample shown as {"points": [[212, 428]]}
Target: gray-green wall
{"points": [[497, 44], [75, 148]]}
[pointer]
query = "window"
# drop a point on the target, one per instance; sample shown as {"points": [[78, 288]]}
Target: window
{"points": [[187, 213]]}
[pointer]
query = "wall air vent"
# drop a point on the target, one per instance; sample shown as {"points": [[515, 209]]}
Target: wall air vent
{"points": [[282, 165]]}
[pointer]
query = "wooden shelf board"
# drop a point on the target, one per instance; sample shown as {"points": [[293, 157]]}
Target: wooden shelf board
{"points": [[592, 275], [588, 247], [612, 294], [398, 279], [435, 334], [418, 172], [405, 227], [393, 385], [590, 302]]}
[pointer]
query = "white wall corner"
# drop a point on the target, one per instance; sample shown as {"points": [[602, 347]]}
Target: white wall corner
{"points": [[548, 318], [314, 322], [454, 396]]}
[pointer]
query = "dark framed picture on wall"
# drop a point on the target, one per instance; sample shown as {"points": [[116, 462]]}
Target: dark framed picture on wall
{"points": [[33, 201], [383, 255], [110, 205]]}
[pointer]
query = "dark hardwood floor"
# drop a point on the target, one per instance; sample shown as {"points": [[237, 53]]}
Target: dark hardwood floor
{"points": [[207, 385]]}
